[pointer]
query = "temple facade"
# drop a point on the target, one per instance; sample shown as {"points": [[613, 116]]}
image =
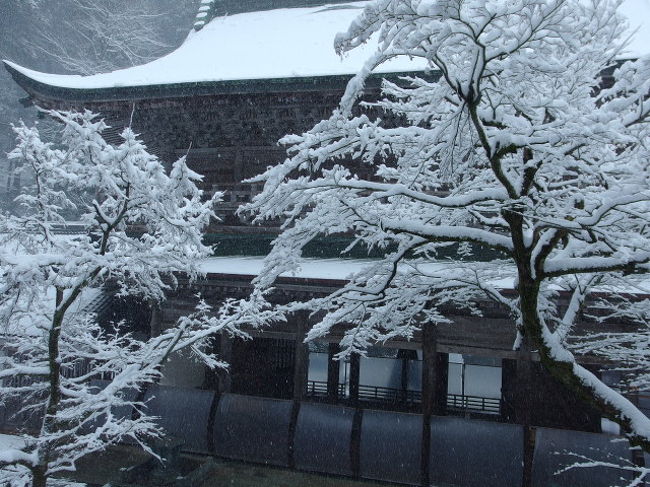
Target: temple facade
{"points": [[223, 99]]}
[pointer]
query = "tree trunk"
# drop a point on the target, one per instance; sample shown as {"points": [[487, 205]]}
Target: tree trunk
{"points": [[39, 478], [50, 418], [563, 370]]}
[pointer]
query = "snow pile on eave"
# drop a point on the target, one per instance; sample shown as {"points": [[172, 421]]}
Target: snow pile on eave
{"points": [[321, 269], [338, 269], [342, 269], [282, 43]]}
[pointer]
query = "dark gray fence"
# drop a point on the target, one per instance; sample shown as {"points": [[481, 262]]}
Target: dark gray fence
{"points": [[476, 453], [556, 449], [391, 447], [183, 413], [253, 428], [331, 426], [375, 445]]}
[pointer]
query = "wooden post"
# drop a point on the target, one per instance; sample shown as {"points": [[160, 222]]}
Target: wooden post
{"points": [[355, 372], [333, 371], [225, 354], [404, 382], [430, 366], [518, 394], [442, 383], [301, 360], [509, 390], [155, 321], [431, 386]]}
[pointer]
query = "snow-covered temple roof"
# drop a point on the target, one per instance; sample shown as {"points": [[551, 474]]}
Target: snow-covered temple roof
{"points": [[280, 44], [342, 269]]}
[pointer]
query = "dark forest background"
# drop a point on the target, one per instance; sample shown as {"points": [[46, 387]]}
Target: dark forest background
{"points": [[80, 37]]}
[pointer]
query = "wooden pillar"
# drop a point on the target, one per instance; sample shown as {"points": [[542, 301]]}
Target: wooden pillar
{"points": [[509, 390], [442, 383], [301, 360], [355, 372], [517, 403], [225, 354], [404, 377], [333, 371], [433, 371], [435, 368], [155, 320]]}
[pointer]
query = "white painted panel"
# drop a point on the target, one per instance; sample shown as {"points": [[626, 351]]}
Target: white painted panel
{"points": [[415, 375], [455, 379], [483, 381], [381, 372], [317, 367]]}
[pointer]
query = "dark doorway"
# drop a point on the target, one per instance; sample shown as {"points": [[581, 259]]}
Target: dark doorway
{"points": [[263, 367]]}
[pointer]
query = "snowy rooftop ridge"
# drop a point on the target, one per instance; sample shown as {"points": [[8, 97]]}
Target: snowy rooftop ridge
{"points": [[210, 9], [271, 44], [284, 43], [205, 14]]}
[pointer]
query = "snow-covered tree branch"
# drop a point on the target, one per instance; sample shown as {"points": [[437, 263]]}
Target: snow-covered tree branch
{"points": [[528, 136], [141, 226]]}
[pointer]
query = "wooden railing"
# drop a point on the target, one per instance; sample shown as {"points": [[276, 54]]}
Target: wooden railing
{"points": [[375, 394], [316, 388], [488, 405], [388, 395]]}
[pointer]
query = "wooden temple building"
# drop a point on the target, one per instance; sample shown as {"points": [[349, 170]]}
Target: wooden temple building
{"points": [[239, 83]]}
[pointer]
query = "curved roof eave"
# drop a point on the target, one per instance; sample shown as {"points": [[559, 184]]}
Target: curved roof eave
{"points": [[47, 92]]}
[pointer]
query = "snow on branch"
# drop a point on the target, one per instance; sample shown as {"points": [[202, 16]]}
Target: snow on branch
{"points": [[518, 149], [54, 351]]}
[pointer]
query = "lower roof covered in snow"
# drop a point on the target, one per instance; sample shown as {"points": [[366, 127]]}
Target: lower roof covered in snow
{"points": [[286, 44]]}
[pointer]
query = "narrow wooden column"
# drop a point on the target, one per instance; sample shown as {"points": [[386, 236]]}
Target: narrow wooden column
{"points": [[155, 321], [442, 383], [525, 396], [430, 390], [333, 371], [301, 360], [404, 379], [509, 390], [517, 402], [355, 372], [225, 354], [430, 372]]}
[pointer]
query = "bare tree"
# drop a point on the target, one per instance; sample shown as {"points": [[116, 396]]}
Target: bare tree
{"points": [[101, 35]]}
